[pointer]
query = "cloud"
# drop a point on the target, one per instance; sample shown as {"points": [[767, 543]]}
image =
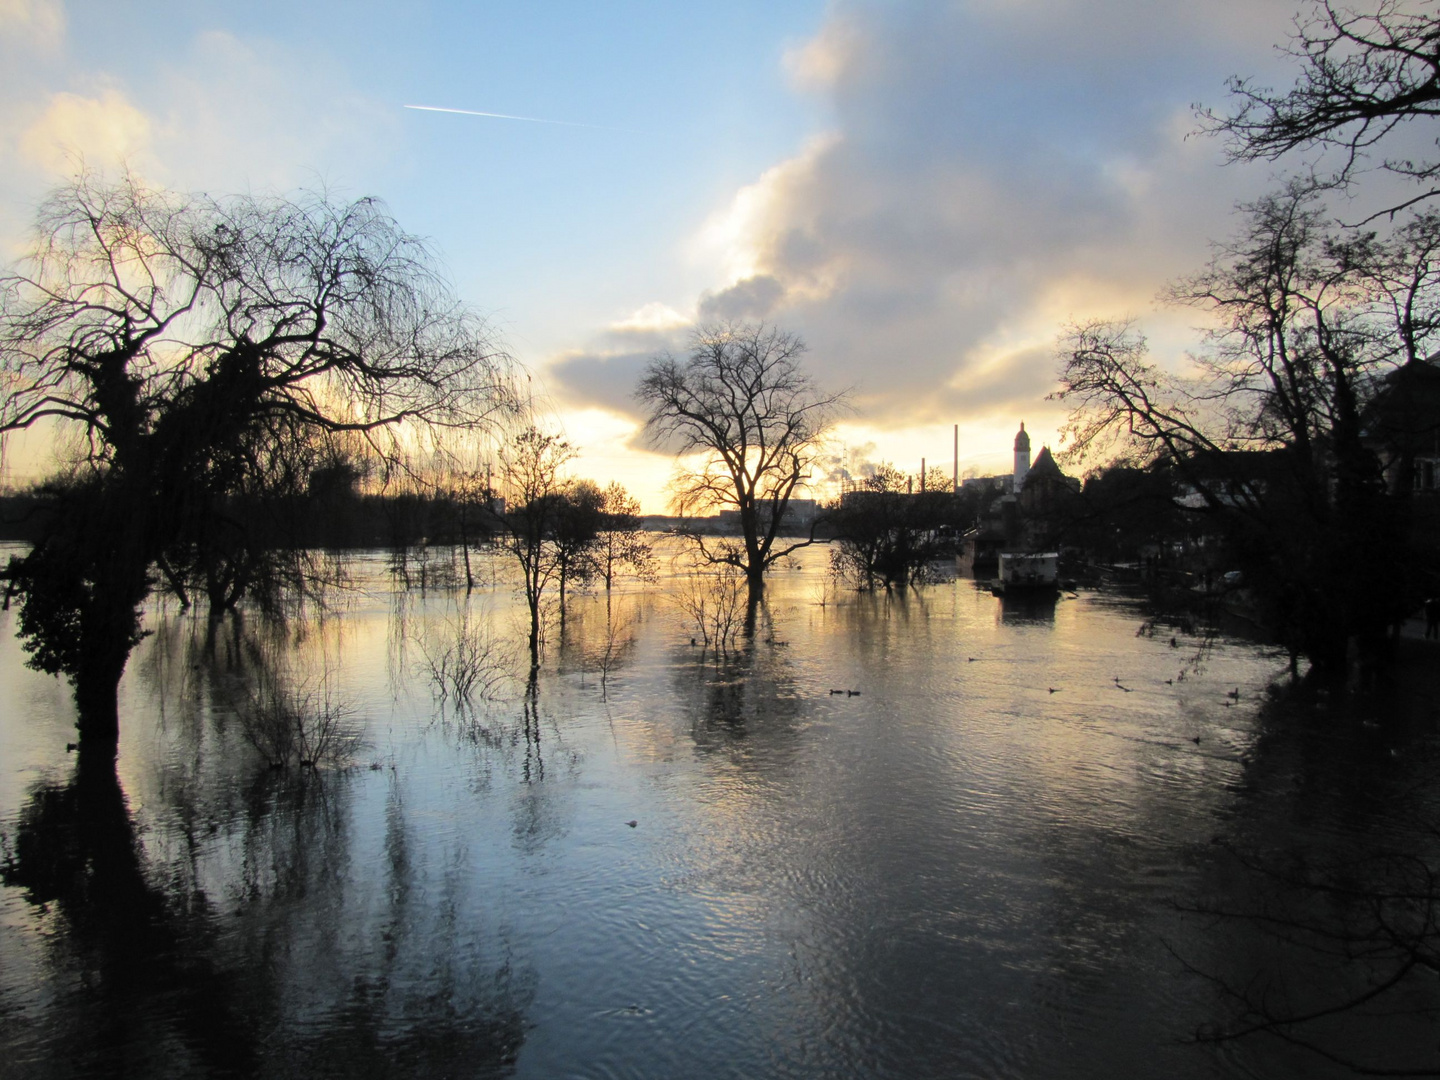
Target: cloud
{"points": [[992, 171], [653, 317], [226, 114], [607, 373], [102, 131], [606, 379], [32, 24], [750, 300]]}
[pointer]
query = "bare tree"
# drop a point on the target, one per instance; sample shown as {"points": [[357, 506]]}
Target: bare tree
{"points": [[887, 533], [533, 492], [189, 344], [469, 496], [1365, 74], [743, 402], [711, 597]]}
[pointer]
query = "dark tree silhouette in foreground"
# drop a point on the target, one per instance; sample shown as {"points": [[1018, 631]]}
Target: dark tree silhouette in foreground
{"points": [[1365, 75], [1269, 432], [742, 401], [188, 346]]}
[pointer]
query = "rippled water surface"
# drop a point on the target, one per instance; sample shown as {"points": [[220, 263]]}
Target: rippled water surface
{"points": [[976, 859]]}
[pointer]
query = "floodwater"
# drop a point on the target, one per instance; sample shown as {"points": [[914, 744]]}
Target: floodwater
{"points": [[921, 836]]}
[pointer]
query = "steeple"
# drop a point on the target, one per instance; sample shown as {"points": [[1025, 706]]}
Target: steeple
{"points": [[1022, 459]]}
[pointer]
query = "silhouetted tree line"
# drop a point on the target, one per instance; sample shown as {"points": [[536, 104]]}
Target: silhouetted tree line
{"points": [[322, 516], [1279, 434]]}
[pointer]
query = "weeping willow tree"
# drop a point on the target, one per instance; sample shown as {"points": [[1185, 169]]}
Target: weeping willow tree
{"points": [[192, 351]]}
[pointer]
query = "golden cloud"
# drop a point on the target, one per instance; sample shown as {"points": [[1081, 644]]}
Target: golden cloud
{"points": [[99, 131]]}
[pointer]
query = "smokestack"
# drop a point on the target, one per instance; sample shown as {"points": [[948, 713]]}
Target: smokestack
{"points": [[956, 480], [922, 476]]}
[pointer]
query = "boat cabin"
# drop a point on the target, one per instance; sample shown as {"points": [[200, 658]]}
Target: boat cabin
{"points": [[1021, 571]]}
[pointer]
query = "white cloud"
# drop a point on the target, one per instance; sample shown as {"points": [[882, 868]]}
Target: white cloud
{"points": [[819, 63], [32, 24], [653, 316], [226, 114]]}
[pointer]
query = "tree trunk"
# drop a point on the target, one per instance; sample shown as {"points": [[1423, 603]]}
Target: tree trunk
{"points": [[534, 633], [108, 633], [465, 549], [755, 581], [97, 687]]}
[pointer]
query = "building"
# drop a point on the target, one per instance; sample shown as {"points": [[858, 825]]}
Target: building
{"points": [[1022, 459], [1046, 488], [1026, 513], [1402, 427], [798, 517]]}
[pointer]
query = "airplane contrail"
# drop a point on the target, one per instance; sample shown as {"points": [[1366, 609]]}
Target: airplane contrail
{"points": [[527, 119]]}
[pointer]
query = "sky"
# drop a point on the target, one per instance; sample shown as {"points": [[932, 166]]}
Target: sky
{"points": [[926, 192]]}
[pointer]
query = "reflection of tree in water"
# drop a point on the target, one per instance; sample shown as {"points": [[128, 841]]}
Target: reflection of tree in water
{"points": [[1326, 933], [879, 627], [240, 937], [131, 947], [601, 635], [748, 702]]}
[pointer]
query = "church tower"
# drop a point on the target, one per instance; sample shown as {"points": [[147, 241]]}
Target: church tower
{"points": [[1022, 459]]}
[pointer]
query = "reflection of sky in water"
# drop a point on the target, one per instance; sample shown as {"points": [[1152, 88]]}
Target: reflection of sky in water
{"points": [[955, 871]]}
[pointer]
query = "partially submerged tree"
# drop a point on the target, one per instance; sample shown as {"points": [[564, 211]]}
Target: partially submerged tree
{"points": [[713, 599], [579, 517], [469, 495], [742, 402], [187, 345], [888, 534], [621, 544], [532, 487]]}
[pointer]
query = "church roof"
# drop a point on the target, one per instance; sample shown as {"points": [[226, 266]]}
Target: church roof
{"points": [[1022, 441], [1044, 465]]}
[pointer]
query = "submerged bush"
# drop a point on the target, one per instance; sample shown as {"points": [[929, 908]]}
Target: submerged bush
{"points": [[715, 601], [308, 726], [464, 662]]}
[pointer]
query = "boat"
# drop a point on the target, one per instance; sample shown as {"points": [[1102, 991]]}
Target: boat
{"points": [[1027, 574]]}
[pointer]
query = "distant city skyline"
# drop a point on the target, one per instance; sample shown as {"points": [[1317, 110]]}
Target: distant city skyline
{"points": [[925, 193]]}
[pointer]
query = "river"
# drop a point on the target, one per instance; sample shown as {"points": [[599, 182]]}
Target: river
{"points": [[916, 836]]}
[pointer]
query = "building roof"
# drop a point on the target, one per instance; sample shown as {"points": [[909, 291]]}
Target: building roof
{"points": [[1044, 465], [1407, 408], [1022, 441]]}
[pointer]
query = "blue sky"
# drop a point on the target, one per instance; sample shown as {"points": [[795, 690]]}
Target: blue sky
{"points": [[925, 191]]}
